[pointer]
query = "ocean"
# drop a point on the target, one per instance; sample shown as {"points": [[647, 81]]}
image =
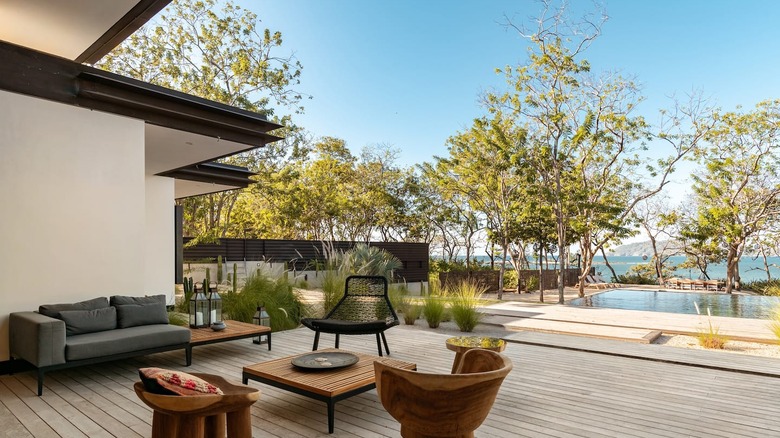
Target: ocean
{"points": [[749, 268]]}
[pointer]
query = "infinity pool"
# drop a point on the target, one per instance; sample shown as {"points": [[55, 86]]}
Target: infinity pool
{"points": [[738, 306]]}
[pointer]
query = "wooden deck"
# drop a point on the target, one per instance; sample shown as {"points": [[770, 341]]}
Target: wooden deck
{"points": [[551, 392]]}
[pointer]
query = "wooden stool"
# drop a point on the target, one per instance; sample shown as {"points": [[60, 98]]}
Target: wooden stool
{"points": [[462, 344], [202, 416]]}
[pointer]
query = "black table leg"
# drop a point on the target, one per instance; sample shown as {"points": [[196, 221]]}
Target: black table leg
{"points": [[331, 415]]}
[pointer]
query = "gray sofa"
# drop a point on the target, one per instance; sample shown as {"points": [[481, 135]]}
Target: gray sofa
{"points": [[61, 336]]}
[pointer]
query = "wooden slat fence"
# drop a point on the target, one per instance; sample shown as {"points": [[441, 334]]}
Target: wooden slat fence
{"points": [[301, 254]]}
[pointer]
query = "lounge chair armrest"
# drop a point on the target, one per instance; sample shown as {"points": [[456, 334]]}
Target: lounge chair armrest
{"points": [[37, 338]]}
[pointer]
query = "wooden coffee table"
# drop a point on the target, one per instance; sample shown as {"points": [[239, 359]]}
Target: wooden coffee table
{"points": [[233, 330], [329, 386]]}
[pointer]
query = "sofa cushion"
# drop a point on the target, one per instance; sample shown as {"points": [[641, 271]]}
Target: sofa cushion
{"points": [[124, 340], [78, 322], [118, 300], [131, 315], [53, 310]]}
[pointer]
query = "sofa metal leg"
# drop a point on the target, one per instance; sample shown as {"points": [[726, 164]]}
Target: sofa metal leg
{"points": [[188, 355], [337, 340], [378, 344], [316, 340], [40, 382]]}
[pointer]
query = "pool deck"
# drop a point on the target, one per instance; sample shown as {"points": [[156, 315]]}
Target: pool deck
{"points": [[631, 325]]}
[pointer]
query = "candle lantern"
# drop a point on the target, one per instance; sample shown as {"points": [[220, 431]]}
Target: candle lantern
{"points": [[199, 310], [215, 307], [261, 318]]}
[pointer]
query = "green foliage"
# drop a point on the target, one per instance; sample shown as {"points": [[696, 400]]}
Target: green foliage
{"points": [[433, 311], [303, 284], [282, 305], [434, 285], [642, 273], [178, 318], [397, 293], [710, 337], [775, 323], [410, 310], [463, 305], [764, 287], [510, 279], [532, 284]]}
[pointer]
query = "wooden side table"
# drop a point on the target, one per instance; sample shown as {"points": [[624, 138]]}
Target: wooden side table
{"points": [[462, 344], [202, 416]]}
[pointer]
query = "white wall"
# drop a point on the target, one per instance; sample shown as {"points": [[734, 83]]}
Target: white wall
{"points": [[72, 192], [160, 259]]}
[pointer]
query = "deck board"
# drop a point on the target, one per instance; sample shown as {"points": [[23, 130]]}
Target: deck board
{"points": [[554, 391]]}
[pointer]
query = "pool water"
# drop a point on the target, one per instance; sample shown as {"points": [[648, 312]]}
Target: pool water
{"points": [[738, 306]]}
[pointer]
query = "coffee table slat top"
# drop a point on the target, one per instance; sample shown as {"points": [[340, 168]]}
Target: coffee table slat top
{"points": [[328, 383], [233, 330]]}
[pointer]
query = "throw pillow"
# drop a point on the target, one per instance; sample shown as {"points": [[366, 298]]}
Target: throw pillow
{"points": [[118, 300], [178, 382], [79, 322], [131, 315], [53, 310]]}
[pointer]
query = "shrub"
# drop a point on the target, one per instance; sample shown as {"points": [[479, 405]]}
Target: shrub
{"points": [[464, 302], [178, 318], [531, 284], [283, 306], [434, 285], [397, 294], [763, 287], [411, 311], [433, 310], [775, 323], [710, 337], [510, 279]]}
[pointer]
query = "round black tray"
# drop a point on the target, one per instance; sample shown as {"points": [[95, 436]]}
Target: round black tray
{"points": [[325, 361]]}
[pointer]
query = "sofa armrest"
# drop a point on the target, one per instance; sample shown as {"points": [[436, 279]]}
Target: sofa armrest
{"points": [[37, 338]]}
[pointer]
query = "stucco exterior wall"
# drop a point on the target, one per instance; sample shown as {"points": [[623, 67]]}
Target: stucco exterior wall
{"points": [[74, 193], [160, 257]]}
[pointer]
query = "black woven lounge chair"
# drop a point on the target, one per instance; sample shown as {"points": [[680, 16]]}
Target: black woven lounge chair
{"points": [[365, 309]]}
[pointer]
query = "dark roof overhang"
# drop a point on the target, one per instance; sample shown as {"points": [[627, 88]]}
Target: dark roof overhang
{"points": [[215, 173], [129, 23], [38, 74]]}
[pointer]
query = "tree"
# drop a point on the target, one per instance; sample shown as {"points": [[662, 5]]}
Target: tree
{"points": [[653, 217], [588, 139], [218, 54], [738, 193], [482, 168]]}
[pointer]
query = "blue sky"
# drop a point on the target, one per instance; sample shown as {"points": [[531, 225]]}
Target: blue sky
{"points": [[410, 73]]}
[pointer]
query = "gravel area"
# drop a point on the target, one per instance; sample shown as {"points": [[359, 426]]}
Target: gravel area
{"points": [[739, 347]]}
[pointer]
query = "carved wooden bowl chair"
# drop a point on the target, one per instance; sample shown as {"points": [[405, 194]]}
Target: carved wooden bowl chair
{"points": [[443, 405], [364, 309]]}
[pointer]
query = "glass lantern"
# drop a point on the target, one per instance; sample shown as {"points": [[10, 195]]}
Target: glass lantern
{"points": [[261, 318], [215, 307], [199, 310]]}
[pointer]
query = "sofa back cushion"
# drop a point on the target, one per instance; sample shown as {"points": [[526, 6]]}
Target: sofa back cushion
{"points": [[135, 311], [53, 310], [79, 322]]}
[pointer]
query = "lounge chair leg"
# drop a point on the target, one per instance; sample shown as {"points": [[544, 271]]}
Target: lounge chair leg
{"points": [[378, 344], [316, 340], [384, 340], [337, 340]]}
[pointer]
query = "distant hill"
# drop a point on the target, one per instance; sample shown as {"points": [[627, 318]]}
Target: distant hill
{"points": [[635, 249]]}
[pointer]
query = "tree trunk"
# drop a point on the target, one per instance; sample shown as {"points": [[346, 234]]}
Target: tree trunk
{"points": [[731, 266], [606, 262], [501, 271], [541, 283]]}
